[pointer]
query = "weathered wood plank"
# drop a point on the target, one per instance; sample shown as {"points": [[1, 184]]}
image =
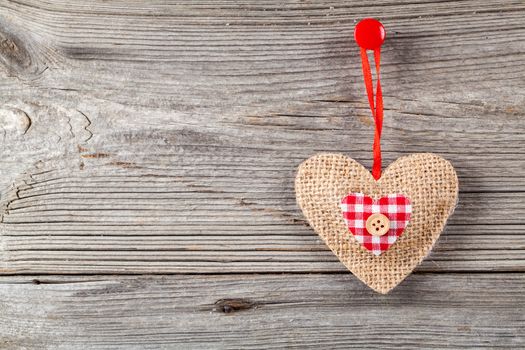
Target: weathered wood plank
{"points": [[104, 194], [267, 311], [112, 216]]}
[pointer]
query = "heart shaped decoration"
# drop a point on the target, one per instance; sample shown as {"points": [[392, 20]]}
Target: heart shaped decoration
{"points": [[376, 224], [328, 185]]}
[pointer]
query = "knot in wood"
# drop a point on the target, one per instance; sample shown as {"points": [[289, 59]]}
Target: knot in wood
{"points": [[228, 306]]}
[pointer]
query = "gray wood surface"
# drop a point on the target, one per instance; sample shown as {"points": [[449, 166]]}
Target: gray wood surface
{"points": [[261, 311], [162, 138]]}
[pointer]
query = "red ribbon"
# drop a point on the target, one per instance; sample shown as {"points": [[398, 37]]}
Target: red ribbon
{"points": [[377, 112]]}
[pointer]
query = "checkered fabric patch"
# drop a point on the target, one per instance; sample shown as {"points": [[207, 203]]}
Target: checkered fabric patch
{"points": [[357, 208]]}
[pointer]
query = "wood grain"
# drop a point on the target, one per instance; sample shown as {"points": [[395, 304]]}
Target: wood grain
{"points": [[442, 311], [163, 137], [115, 217]]}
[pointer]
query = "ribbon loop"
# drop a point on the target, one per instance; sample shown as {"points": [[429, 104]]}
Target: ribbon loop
{"points": [[377, 107]]}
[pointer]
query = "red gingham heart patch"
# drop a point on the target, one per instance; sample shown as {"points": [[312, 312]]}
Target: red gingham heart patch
{"points": [[357, 208]]}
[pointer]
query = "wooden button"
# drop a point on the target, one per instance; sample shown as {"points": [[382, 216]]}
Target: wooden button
{"points": [[377, 224]]}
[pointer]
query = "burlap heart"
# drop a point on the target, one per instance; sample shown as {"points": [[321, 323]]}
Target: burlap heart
{"points": [[427, 179]]}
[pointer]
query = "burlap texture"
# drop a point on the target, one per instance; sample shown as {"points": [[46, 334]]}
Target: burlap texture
{"points": [[427, 179]]}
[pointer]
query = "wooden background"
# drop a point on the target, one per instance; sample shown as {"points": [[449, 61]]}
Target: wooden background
{"points": [[148, 151]]}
